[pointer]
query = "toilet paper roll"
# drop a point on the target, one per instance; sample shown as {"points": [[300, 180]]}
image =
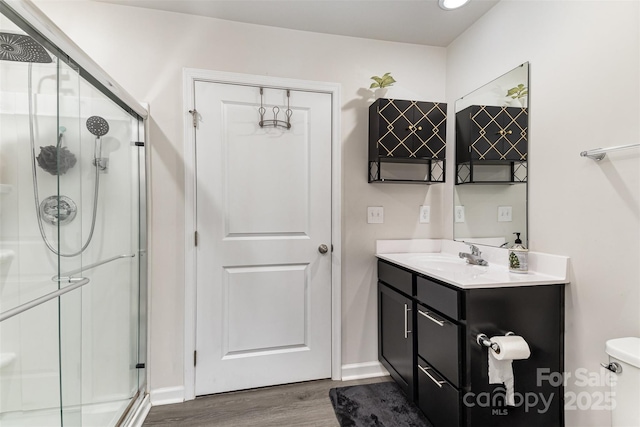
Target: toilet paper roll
{"points": [[512, 347]]}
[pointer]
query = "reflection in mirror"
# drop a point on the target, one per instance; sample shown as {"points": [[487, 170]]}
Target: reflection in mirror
{"points": [[490, 195]]}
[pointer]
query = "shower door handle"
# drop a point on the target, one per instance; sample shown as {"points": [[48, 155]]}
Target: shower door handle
{"points": [[81, 281]]}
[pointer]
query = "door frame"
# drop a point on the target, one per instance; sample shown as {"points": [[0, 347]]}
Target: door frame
{"points": [[189, 77]]}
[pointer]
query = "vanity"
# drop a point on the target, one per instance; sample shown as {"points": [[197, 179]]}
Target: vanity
{"points": [[432, 307]]}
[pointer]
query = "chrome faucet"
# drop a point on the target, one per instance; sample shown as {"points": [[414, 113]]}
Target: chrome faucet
{"points": [[475, 257]]}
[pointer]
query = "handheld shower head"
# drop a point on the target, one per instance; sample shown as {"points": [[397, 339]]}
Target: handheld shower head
{"points": [[97, 126]]}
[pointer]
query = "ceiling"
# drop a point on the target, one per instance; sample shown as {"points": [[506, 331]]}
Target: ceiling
{"points": [[407, 21]]}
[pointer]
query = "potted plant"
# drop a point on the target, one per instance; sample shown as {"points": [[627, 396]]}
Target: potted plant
{"points": [[380, 84]]}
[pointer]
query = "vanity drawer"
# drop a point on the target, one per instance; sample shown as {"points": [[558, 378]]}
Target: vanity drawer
{"points": [[438, 399], [396, 277], [439, 297], [439, 343]]}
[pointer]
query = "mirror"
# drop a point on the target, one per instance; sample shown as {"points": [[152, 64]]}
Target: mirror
{"points": [[490, 192]]}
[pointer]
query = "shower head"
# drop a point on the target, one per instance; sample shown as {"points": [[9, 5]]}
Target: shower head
{"points": [[97, 126], [22, 48]]}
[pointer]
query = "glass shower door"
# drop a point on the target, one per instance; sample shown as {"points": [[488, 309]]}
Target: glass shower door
{"points": [[71, 219], [31, 220]]}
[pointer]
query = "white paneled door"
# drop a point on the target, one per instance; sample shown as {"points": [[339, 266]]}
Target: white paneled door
{"points": [[263, 222]]}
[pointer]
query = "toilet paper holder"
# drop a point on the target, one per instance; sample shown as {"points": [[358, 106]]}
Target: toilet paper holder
{"points": [[483, 340]]}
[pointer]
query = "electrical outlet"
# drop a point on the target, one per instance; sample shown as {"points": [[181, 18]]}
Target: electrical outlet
{"points": [[459, 214], [375, 215], [425, 214], [504, 214]]}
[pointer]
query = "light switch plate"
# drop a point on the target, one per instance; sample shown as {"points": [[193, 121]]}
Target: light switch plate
{"points": [[375, 215], [459, 214], [425, 214], [504, 214]]}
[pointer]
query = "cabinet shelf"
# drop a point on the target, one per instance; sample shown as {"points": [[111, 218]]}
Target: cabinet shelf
{"points": [[407, 141], [491, 172]]}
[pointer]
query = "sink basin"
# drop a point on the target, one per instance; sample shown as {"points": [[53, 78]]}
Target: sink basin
{"points": [[436, 259], [446, 263], [452, 266]]}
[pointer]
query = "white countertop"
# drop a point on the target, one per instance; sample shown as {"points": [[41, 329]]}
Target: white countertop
{"points": [[439, 259]]}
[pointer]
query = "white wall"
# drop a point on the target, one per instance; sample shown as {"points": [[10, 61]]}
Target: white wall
{"points": [[584, 94], [145, 52]]}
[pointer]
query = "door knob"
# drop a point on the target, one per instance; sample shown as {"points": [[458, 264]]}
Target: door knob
{"points": [[323, 249]]}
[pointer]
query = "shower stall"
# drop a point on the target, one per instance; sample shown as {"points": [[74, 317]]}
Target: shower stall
{"points": [[72, 233]]}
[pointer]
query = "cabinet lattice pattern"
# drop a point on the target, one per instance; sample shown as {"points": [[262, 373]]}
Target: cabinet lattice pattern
{"points": [[403, 131]]}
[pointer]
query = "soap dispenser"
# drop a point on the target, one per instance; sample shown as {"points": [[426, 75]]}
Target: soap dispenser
{"points": [[518, 256]]}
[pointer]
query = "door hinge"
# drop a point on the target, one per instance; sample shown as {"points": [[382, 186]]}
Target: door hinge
{"points": [[195, 357], [195, 238], [194, 115]]}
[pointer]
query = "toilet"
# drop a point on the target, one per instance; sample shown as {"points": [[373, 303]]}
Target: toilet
{"points": [[625, 352]]}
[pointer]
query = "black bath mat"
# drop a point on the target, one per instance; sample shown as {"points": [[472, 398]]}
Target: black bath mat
{"points": [[379, 405]]}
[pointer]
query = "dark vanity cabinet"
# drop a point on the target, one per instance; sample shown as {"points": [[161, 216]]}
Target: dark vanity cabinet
{"points": [[407, 135], [449, 377], [491, 136], [395, 339]]}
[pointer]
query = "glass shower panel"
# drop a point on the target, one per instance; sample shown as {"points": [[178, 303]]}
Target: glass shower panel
{"points": [[29, 341], [106, 344]]}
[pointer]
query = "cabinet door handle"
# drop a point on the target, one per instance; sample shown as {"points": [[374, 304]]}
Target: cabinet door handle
{"points": [[406, 321], [433, 319], [435, 381]]}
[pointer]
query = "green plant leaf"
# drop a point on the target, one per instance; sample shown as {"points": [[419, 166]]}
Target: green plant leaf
{"points": [[385, 81]]}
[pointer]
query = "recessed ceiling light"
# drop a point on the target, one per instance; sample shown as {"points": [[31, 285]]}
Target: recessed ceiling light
{"points": [[452, 4]]}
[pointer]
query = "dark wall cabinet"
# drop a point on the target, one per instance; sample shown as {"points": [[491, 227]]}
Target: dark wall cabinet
{"points": [[488, 135], [408, 132], [439, 324]]}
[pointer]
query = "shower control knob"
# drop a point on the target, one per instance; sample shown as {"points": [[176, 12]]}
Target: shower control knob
{"points": [[323, 249]]}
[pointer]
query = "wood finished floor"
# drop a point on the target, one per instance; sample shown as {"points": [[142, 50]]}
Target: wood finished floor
{"points": [[302, 404]]}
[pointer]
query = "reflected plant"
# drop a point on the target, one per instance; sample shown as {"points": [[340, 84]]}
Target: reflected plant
{"points": [[518, 92]]}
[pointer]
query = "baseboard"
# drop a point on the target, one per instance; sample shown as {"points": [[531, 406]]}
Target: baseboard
{"points": [[137, 419], [167, 395], [358, 371]]}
